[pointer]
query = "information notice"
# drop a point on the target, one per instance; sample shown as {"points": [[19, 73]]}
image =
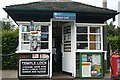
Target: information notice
{"points": [[34, 67]]}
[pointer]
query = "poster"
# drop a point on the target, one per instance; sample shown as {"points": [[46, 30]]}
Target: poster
{"points": [[96, 59], [97, 67], [86, 69], [35, 55], [44, 56], [91, 65], [35, 40], [84, 58]]}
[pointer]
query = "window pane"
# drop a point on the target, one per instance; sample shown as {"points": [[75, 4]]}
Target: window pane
{"points": [[81, 29], [25, 37], [98, 46], [95, 37], [82, 45], [44, 37], [44, 28], [95, 46], [44, 45], [67, 48], [67, 29], [25, 28], [82, 37], [92, 46], [94, 29], [25, 47]]}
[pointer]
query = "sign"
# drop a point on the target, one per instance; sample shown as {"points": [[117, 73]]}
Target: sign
{"points": [[64, 16], [33, 67], [86, 69], [84, 58], [35, 55]]}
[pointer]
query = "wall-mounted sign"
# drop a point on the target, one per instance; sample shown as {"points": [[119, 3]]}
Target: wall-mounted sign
{"points": [[64, 16], [34, 67]]}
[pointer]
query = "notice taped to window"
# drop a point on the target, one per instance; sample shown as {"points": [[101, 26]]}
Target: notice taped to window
{"points": [[33, 67]]}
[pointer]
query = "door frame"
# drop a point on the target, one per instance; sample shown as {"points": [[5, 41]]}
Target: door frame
{"points": [[73, 47]]}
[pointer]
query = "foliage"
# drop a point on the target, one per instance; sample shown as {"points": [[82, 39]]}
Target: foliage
{"points": [[111, 29], [113, 38], [7, 26], [9, 45]]}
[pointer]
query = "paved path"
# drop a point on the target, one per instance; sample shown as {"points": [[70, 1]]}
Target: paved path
{"points": [[9, 74], [12, 75]]}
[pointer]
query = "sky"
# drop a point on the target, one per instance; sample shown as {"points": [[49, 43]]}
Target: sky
{"points": [[111, 4]]}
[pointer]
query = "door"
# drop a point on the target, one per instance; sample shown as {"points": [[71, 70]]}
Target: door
{"points": [[66, 47]]}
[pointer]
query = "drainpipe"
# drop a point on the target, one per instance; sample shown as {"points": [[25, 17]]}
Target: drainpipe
{"points": [[105, 41]]}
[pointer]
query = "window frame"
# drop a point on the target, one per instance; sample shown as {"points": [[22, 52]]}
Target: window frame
{"points": [[21, 42], [88, 25]]}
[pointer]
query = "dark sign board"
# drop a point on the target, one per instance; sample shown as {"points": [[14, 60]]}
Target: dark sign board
{"points": [[64, 16], [33, 67]]}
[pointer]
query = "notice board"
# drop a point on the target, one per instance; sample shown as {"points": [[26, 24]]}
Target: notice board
{"points": [[33, 67], [91, 65]]}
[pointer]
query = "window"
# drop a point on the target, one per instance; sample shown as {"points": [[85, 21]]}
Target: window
{"points": [[67, 39], [35, 37], [44, 37], [82, 37], [95, 38], [88, 37]]}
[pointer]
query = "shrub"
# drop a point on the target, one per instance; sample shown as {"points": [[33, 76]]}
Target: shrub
{"points": [[9, 45]]}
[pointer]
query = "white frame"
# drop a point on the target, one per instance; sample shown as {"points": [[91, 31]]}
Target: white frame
{"points": [[20, 23], [95, 34], [88, 25], [84, 34], [73, 47]]}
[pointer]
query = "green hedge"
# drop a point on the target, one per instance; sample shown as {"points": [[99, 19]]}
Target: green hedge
{"points": [[9, 45]]}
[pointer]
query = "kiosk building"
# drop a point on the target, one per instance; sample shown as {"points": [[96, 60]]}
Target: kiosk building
{"points": [[61, 37]]}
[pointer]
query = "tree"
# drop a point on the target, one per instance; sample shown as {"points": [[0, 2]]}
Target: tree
{"points": [[110, 29], [113, 37], [7, 26]]}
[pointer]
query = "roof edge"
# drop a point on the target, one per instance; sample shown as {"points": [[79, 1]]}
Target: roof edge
{"points": [[62, 2], [36, 9]]}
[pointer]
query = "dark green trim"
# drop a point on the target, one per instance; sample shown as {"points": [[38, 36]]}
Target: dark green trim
{"points": [[80, 62]]}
